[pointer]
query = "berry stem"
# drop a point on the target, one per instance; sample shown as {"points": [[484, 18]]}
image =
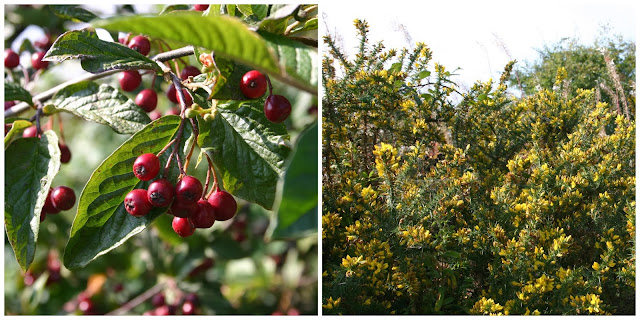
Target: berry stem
{"points": [[165, 147], [140, 299], [60, 128], [206, 184], [269, 83], [166, 166], [193, 145], [215, 185]]}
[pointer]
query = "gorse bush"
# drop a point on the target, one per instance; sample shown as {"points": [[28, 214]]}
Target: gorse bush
{"points": [[492, 205]]}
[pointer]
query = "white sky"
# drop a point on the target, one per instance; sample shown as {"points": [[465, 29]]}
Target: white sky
{"points": [[465, 33]]}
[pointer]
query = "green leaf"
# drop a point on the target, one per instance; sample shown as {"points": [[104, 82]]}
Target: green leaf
{"points": [[102, 104], [311, 24], [256, 11], [300, 61], [26, 45], [97, 55], [248, 150], [298, 209], [72, 12], [102, 223], [227, 86], [395, 67], [424, 74], [33, 164], [174, 7], [14, 91], [277, 22], [227, 36], [16, 127]]}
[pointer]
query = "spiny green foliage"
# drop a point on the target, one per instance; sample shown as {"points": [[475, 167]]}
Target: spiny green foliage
{"points": [[499, 205]]}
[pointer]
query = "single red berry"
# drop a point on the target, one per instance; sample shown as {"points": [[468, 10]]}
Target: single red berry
{"points": [[36, 60], [188, 308], [48, 205], [204, 216], [173, 111], [183, 209], [187, 98], [277, 108], [146, 166], [63, 198], [201, 7], [183, 226], [253, 84], [158, 300], [147, 99], [224, 204], [123, 40], [9, 104], [129, 80], [136, 202], [160, 193], [155, 115], [29, 278], [65, 153], [42, 215], [11, 59], [171, 94], [188, 189], [44, 43], [85, 305], [313, 110], [30, 132], [189, 71], [165, 310], [140, 44]]}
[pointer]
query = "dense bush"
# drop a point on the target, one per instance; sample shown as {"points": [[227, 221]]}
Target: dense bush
{"points": [[491, 205]]}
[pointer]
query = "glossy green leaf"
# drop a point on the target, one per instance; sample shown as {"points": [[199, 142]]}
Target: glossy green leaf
{"points": [[298, 208], [102, 223], [33, 164], [424, 74], [300, 61], [97, 55], [72, 12], [16, 128], [102, 104], [277, 22], [227, 36], [14, 91], [248, 150]]}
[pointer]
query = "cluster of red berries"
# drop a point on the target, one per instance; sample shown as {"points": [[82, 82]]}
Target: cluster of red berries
{"points": [[12, 60], [185, 200], [254, 85], [58, 199], [191, 302]]}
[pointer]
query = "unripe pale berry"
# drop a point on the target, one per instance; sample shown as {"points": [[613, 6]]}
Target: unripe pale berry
{"points": [[146, 166], [224, 204], [253, 84]]}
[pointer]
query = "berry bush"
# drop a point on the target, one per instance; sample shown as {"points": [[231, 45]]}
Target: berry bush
{"points": [[184, 194], [438, 200]]}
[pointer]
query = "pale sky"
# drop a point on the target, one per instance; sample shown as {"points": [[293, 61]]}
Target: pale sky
{"points": [[467, 34]]}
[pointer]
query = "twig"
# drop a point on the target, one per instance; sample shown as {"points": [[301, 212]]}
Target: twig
{"points": [[139, 299]]}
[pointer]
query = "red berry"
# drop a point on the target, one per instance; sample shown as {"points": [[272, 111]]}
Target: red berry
{"points": [[30, 132], [48, 205], [63, 198], [85, 305], [204, 216], [183, 226], [187, 98], [155, 115], [146, 166], [129, 80], [189, 71], [140, 44], [160, 193], [158, 300], [188, 308], [36, 60], [42, 215], [11, 59], [174, 111], [201, 7], [136, 202], [277, 108], [171, 94], [188, 189], [147, 99], [44, 43], [253, 84], [224, 204], [165, 310], [9, 104], [293, 312], [183, 209], [65, 153]]}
